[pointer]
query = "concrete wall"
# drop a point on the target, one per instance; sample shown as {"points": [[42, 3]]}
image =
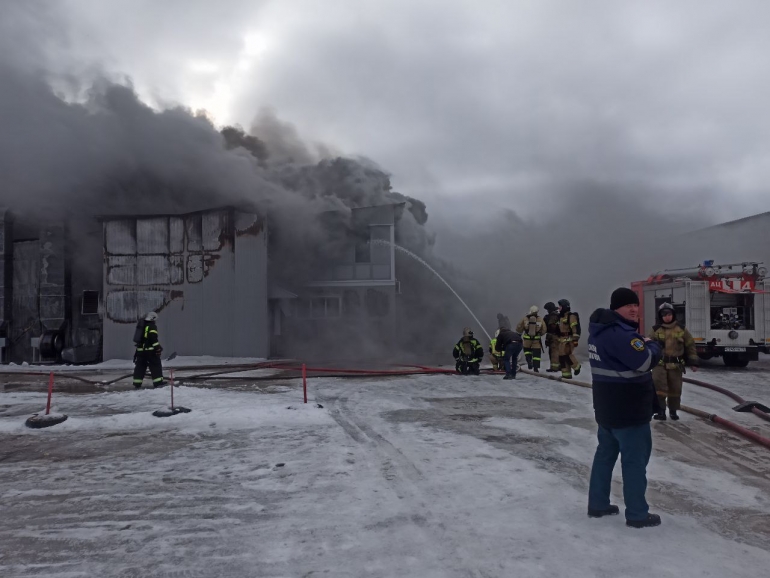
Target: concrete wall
{"points": [[204, 273]]}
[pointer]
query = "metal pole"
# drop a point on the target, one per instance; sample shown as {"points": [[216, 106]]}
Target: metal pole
{"points": [[304, 381], [172, 388], [50, 392]]}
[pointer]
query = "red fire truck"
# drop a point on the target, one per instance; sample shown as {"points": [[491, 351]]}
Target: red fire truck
{"points": [[725, 307]]}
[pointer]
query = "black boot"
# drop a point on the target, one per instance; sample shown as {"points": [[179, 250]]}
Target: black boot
{"points": [[508, 376], [650, 521], [577, 369], [660, 416], [674, 415]]}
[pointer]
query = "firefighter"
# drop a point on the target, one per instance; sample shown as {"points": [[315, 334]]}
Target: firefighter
{"points": [[551, 321], [495, 356], [148, 351], [468, 353], [569, 335], [678, 351], [532, 329]]}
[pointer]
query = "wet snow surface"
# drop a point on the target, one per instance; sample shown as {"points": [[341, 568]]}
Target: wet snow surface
{"points": [[425, 476]]}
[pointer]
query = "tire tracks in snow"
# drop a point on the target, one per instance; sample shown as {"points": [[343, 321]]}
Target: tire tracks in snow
{"points": [[405, 479]]}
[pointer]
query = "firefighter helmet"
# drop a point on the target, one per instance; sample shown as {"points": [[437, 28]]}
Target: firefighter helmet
{"points": [[151, 316], [564, 304], [533, 310], [467, 332], [666, 307]]}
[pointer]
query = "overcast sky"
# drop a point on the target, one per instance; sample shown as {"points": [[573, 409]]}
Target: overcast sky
{"points": [[470, 105]]}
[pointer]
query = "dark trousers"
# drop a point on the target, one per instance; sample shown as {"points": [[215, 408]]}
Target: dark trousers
{"points": [[467, 367], [146, 359], [533, 356], [634, 444], [511, 358]]}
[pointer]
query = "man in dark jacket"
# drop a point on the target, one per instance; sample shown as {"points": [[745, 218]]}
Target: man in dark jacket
{"points": [[624, 402], [148, 351], [510, 343]]}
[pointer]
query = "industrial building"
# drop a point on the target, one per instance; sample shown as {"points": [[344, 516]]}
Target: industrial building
{"points": [[73, 292]]}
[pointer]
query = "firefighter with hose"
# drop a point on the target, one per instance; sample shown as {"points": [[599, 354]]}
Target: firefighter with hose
{"points": [[468, 353]]}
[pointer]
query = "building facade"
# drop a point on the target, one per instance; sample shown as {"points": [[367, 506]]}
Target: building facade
{"points": [[204, 273]]}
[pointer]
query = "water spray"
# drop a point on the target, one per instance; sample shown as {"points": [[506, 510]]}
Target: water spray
{"points": [[432, 270]]}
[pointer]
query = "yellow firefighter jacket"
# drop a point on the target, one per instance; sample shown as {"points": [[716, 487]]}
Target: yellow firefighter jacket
{"points": [[569, 327], [678, 345], [532, 329]]}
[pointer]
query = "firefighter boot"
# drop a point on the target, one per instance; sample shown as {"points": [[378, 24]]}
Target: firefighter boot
{"points": [[661, 416], [674, 415]]}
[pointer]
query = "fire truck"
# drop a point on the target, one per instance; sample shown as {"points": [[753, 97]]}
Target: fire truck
{"points": [[725, 307]]}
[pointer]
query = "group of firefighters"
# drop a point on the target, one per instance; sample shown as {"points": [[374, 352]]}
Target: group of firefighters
{"points": [[560, 329]]}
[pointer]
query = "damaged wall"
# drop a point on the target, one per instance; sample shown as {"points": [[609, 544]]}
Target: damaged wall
{"points": [[204, 273]]}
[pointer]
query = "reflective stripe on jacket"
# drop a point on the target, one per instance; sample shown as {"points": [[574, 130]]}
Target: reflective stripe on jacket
{"points": [[623, 390]]}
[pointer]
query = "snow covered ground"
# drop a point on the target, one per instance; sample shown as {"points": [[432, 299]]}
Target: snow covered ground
{"points": [[425, 476]]}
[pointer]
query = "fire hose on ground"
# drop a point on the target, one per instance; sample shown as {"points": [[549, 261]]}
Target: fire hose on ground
{"points": [[291, 366], [745, 432], [742, 402], [426, 370]]}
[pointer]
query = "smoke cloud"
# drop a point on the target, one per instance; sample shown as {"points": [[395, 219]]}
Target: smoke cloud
{"points": [[77, 141]]}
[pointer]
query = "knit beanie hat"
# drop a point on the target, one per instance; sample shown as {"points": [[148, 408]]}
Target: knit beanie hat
{"points": [[623, 296]]}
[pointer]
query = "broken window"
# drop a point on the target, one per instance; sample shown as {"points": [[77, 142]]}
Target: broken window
{"points": [[90, 303], [363, 250], [317, 308]]}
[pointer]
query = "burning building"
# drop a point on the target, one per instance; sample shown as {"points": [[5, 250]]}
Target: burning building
{"points": [[207, 274]]}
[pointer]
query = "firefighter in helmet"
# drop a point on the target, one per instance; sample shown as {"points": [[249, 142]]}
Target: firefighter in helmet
{"points": [[468, 353], [495, 356], [532, 329], [678, 351], [148, 351], [569, 335], [551, 321]]}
